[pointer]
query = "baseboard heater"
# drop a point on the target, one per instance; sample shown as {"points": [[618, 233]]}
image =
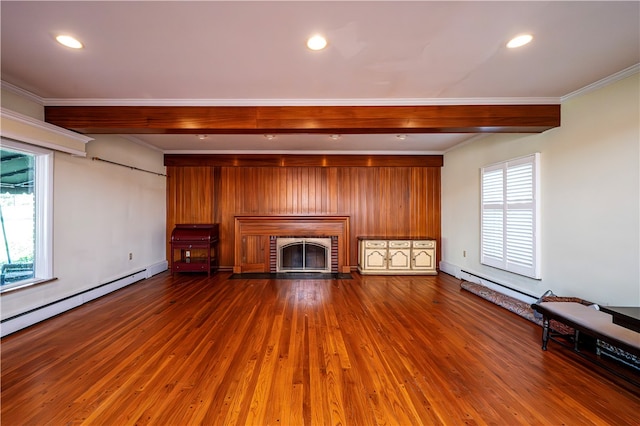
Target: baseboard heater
{"points": [[499, 284], [41, 313]]}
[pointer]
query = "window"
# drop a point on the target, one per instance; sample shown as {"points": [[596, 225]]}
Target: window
{"points": [[25, 214], [510, 234]]}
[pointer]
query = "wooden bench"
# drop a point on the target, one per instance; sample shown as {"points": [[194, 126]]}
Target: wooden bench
{"points": [[590, 321]]}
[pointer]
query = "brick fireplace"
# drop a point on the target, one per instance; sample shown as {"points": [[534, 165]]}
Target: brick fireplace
{"points": [[303, 253], [255, 237]]}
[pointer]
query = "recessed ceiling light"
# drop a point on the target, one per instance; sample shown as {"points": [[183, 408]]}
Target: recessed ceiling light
{"points": [[317, 42], [270, 137], [402, 137], [67, 40], [202, 137], [334, 137], [519, 41]]}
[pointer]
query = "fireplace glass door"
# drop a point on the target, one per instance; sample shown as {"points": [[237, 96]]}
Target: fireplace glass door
{"points": [[304, 255]]}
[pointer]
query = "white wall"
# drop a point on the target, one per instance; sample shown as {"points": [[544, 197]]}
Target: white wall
{"points": [[102, 212], [590, 168]]}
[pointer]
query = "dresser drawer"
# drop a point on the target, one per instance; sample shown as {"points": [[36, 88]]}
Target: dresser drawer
{"points": [[375, 244], [424, 244], [399, 244]]}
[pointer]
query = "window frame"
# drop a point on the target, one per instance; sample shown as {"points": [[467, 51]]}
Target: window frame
{"points": [[510, 219], [43, 176]]}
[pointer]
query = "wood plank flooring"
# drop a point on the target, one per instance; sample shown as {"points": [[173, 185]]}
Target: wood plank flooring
{"points": [[187, 350]]}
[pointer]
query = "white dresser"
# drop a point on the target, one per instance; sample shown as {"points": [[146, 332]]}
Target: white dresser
{"points": [[397, 256]]}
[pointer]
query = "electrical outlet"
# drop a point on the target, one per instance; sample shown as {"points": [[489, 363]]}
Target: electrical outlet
{"points": [[187, 253], [130, 256]]}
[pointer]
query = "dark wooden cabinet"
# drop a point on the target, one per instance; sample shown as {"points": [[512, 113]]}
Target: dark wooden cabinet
{"points": [[194, 248]]}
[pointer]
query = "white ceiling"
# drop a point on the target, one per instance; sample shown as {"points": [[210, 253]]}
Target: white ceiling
{"points": [[254, 53]]}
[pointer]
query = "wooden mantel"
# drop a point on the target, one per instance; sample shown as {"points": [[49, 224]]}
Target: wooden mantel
{"points": [[305, 119], [251, 245]]}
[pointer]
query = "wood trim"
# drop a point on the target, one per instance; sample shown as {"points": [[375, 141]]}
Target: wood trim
{"points": [[287, 225], [307, 119], [281, 160]]}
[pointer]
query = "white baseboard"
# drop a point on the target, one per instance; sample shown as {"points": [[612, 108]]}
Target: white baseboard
{"points": [[34, 316], [450, 268], [156, 268], [485, 280]]}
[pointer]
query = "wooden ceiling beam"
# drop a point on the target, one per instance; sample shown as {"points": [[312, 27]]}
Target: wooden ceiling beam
{"points": [[305, 119], [301, 160]]}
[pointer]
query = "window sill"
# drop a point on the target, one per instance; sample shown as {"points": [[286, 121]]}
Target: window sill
{"points": [[24, 284]]}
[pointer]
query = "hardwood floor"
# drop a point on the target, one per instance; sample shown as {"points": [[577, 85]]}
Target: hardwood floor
{"points": [[373, 350]]}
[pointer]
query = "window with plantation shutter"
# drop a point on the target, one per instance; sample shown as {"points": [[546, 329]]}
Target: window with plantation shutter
{"points": [[510, 211]]}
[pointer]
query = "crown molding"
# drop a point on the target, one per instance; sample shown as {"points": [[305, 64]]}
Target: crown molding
{"points": [[23, 128], [466, 142], [22, 93], [140, 142], [319, 102], [627, 72], [42, 125]]}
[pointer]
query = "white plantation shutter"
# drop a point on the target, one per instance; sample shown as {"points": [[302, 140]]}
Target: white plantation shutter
{"points": [[493, 214], [510, 211]]}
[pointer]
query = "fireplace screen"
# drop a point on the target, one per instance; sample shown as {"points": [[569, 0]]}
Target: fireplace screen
{"points": [[303, 254]]}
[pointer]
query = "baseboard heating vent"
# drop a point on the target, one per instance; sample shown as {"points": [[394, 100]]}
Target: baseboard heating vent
{"points": [[41, 313], [497, 286]]}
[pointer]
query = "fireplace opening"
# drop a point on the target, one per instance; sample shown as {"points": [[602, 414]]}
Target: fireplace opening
{"points": [[303, 255]]}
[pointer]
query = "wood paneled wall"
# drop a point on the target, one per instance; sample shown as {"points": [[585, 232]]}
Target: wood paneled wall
{"points": [[385, 201]]}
